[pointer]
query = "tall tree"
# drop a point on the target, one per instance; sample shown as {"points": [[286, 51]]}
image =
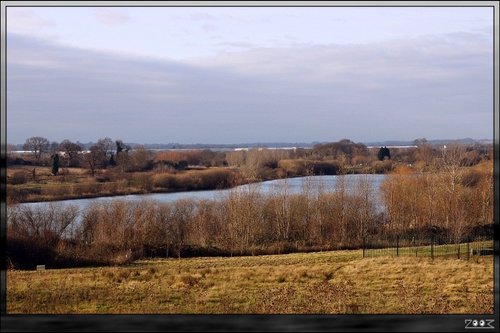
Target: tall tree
{"points": [[55, 164], [95, 157], [120, 146], [383, 153], [106, 147], [38, 145], [122, 158]]}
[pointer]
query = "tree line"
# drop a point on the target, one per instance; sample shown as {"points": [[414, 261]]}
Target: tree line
{"points": [[335, 157]]}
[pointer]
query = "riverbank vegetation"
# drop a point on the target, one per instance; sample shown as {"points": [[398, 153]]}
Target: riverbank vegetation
{"points": [[75, 183], [452, 203]]}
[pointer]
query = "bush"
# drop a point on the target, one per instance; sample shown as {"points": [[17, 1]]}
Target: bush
{"points": [[55, 191], [143, 181], [293, 168], [21, 194], [109, 188], [26, 253], [471, 178], [165, 180], [300, 167], [216, 178], [80, 189], [196, 180], [326, 167], [381, 166], [18, 178], [105, 177]]}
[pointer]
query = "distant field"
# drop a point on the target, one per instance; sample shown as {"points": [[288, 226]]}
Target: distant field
{"points": [[328, 282]]}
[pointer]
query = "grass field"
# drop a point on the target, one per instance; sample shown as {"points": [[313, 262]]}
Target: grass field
{"points": [[339, 282]]}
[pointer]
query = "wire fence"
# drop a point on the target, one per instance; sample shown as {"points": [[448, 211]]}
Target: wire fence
{"points": [[431, 247]]}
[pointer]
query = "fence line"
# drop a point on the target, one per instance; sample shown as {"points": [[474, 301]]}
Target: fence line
{"points": [[431, 247]]}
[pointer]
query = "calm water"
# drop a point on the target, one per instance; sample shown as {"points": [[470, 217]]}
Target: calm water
{"points": [[293, 185]]}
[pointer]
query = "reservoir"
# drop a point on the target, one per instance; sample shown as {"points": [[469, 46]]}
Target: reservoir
{"points": [[290, 185]]}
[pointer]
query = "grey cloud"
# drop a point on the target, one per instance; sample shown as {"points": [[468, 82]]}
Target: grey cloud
{"points": [[433, 59], [397, 90]]}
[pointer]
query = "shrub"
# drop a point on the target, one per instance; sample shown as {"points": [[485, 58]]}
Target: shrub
{"points": [[293, 167], [143, 181], [55, 191], [471, 178], [326, 167], [300, 167], [105, 177], [87, 188], [381, 166], [165, 180], [26, 253], [21, 194], [18, 178], [216, 178], [196, 180]]}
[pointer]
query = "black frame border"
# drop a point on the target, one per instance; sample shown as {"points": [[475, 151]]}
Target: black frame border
{"points": [[244, 322]]}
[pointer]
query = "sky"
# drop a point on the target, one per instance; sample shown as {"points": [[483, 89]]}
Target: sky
{"points": [[249, 74]]}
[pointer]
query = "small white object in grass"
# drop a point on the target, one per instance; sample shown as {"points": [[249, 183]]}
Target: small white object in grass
{"points": [[40, 267]]}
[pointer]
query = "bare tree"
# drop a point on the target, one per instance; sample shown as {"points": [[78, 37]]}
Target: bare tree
{"points": [[38, 145], [452, 156], [182, 212], [107, 148], [70, 150], [122, 158], [94, 157], [365, 206], [140, 159]]}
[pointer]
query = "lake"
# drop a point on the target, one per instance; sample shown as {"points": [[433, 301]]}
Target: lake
{"points": [[293, 185]]}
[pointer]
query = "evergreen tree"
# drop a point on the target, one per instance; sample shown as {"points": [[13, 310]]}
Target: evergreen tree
{"points": [[383, 153], [55, 164], [380, 154], [387, 152]]}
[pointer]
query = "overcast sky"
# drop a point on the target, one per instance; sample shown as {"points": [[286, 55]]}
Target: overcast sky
{"points": [[235, 75]]}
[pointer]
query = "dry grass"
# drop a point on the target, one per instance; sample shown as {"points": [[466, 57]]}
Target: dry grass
{"points": [[200, 179], [73, 183], [328, 282]]}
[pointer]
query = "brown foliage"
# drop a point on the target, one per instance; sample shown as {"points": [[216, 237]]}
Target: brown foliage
{"points": [[18, 177], [197, 180], [248, 222]]}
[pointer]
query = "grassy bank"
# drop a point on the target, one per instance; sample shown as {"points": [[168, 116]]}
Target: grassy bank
{"points": [[337, 282], [24, 185]]}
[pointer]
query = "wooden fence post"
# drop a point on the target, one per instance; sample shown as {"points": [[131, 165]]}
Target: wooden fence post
{"points": [[364, 243], [468, 249], [432, 247]]}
